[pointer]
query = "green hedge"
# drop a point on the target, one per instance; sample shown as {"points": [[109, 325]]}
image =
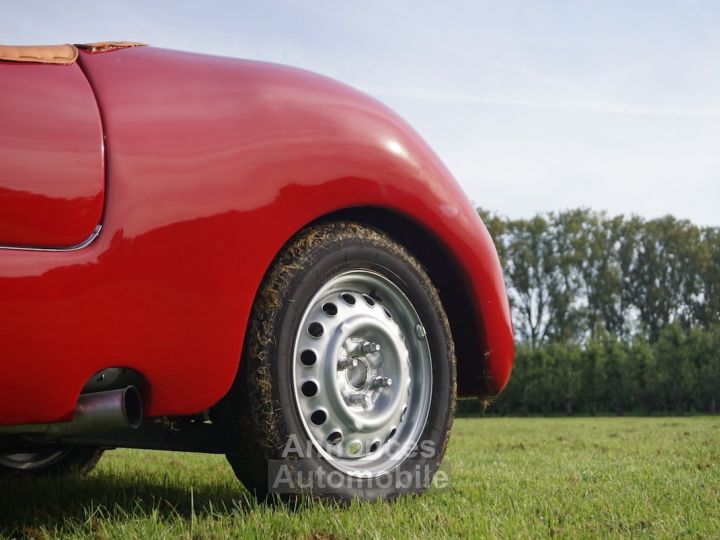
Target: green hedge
{"points": [[679, 373]]}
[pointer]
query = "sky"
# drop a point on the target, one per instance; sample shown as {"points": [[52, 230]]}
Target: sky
{"points": [[535, 106]]}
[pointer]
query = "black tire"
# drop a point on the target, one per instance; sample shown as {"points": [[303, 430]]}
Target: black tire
{"points": [[76, 460], [259, 414]]}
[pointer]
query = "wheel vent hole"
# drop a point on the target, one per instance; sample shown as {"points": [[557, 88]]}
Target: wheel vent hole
{"points": [[392, 433], [334, 438], [368, 300], [308, 357], [387, 314], [309, 389], [318, 417], [330, 308], [374, 447], [316, 329], [349, 298]]}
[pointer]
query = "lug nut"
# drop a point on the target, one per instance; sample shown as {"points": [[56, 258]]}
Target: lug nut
{"points": [[381, 382], [359, 399], [347, 363], [369, 347]]}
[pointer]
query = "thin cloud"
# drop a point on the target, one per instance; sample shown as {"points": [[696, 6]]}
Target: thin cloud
{"points": [[626, 110], [590, 101]]}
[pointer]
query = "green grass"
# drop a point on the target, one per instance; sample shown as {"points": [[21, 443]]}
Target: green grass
{"points": [[511, 478]]}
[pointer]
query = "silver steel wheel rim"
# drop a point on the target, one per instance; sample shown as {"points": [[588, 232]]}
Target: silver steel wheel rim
{"points": [[31, 460], [362, 373]]}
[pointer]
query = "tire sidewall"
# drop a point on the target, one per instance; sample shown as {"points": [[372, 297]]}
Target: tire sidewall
{"points": [[325, 262]]}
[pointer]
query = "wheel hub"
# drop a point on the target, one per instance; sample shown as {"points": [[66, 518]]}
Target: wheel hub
{"points": [[356, 374]]}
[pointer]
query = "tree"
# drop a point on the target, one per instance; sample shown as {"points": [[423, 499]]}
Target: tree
{"points": [[569, 381], [529, 263], [606, 242], [565, 251], [706, 354], [677, 373], [665, 274], [706, 304]]}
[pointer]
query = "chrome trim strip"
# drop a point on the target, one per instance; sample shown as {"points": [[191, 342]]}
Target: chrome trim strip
{"points": [[89, 240]]}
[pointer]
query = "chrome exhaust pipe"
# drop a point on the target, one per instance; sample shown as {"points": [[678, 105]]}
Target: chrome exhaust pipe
{"points": [[98, 411]]}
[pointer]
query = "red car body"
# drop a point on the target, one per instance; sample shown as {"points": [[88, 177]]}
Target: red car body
{"points": [[144, 193]]}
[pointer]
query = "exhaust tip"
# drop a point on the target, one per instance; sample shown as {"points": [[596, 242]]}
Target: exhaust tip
{"points": [[132, 407]]}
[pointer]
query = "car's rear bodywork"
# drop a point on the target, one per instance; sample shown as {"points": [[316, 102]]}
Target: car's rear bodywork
{"points": [[210, 166]]}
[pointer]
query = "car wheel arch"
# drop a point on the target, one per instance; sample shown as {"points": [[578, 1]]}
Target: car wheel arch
{"points": [[447, 276]]}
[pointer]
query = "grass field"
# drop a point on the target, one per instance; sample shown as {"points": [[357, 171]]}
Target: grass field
{"points": [[511, 478]]}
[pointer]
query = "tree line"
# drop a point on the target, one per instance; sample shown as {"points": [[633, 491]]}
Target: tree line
{"points": [[612, 314]]}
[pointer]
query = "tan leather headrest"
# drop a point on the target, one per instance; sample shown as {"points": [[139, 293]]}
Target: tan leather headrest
{"points": [[45, 54], [59, 54], [107, 46]]}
